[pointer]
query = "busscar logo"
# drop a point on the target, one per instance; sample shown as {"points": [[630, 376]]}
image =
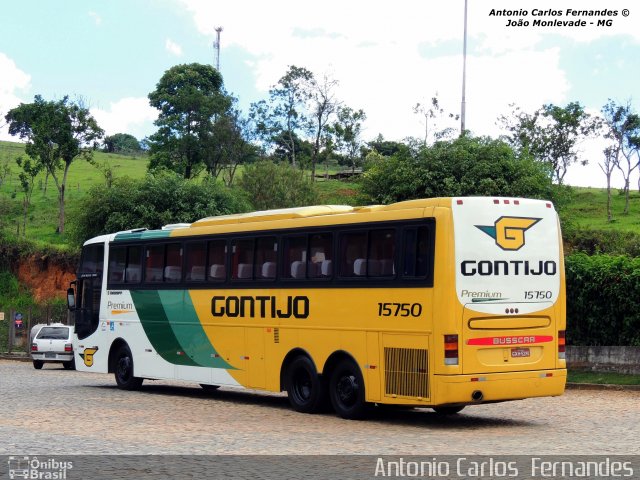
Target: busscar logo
{"points": [[87, 355], [508, 232]]}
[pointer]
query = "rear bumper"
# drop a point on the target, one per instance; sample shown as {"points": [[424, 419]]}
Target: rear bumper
{"points": [[58, 357], [497, 387]]}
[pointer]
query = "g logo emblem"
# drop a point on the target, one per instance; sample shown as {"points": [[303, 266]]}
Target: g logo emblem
{"points": [[87, 356], [508, 232]]}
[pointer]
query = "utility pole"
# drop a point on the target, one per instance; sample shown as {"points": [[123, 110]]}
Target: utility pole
{"points": [[464, 73], [216, 47]]}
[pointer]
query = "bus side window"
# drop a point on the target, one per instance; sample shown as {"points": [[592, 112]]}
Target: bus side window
{"points": [[294, 257], [265, 258], [195, 261], [353, 254], [154, 263], [173, 264], [133, 272], [382, 252], [320, 256], [416, 252], [242, 259], [217, 270], [117, 262]]}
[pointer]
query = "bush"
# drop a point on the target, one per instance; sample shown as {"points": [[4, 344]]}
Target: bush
{"points": [[272, 185], [462, 167], [603, 300], [152, 202], [593, 242]]}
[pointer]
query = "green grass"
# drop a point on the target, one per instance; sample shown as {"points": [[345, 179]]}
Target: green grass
{"points": [[602, 378], [43, 213], [588, 209]]}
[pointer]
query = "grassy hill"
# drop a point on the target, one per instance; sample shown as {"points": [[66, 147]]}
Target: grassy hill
{"points": [[587, 207]]}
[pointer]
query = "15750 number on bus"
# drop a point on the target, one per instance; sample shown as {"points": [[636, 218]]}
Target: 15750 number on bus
{"points": [[399, 309]]}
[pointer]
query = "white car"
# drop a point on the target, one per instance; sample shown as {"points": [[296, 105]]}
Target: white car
{"points": [[53, 343]]}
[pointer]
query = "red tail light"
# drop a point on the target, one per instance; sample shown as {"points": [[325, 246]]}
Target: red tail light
{"points": [[34, 347], [562, 344], [68, 347], [451, 349]]}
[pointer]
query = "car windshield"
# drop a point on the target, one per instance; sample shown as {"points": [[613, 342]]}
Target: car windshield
{"points": [[54, 333]]}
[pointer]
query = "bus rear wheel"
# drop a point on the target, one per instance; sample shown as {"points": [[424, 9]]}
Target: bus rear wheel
{"points": [[346, 390], [306, 390], [124, 370]]}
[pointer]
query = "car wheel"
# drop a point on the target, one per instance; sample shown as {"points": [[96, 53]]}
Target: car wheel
{"points": [[37, 364], [306, 390], [70, 365], [124, 370], [346, 390]]}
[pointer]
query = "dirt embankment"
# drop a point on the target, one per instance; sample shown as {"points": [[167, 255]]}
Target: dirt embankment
{"points": [[47, 279]]}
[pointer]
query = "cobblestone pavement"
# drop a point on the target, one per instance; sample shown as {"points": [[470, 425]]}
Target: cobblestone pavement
{"points": [[54, 411]]}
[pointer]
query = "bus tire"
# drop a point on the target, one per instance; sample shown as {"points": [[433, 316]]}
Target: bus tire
{"points": [[448, 410], [305, 389], [37, 364], [124, 370], [346, 390]]}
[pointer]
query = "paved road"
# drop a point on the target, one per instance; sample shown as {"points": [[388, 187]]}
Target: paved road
{"points": [[54, 411]]}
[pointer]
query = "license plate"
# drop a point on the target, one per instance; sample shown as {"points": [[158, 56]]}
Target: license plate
{"points": [[520, 352], [50, 355]]}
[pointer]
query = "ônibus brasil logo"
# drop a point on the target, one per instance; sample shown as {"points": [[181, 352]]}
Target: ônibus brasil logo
{"points": [[508, 232]]}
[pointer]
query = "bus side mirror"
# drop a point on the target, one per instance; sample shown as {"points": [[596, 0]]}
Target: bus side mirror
{"points": [[71, 299]]}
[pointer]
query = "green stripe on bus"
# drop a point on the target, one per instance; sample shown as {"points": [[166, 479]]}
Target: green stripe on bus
{"points": [[146, 235], [188, 330], [157, 327]]}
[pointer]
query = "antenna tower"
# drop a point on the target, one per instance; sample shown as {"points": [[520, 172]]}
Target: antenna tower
{"points": [[216, 47]]}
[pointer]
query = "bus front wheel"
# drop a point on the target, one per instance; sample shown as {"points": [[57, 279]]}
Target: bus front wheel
{"points": [[305, 389], [346, 390], [124, 370]]}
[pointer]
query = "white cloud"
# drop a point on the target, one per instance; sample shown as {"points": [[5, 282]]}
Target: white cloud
{"points": [[173, 48], [128, 115], [96, 18], [12, 82]]}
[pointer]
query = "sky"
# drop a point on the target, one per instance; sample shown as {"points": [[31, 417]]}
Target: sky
{"points": [[387, 56]]}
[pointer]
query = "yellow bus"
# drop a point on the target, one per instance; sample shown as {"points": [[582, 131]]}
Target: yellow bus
{"points": [[439, 303]]}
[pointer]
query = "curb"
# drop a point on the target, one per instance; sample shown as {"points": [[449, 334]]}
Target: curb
{"points": [[16, 358], [602, 386]]}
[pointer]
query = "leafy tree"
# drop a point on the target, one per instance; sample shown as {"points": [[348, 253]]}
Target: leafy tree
{"points": [[551, 135], [622, 129], [346, 131], [323, 106], [57, 132], [152, 202], [189, 98], [123, 143], [272, 185], [433, 114], [27, 177], [465, 166], [285, 116]]}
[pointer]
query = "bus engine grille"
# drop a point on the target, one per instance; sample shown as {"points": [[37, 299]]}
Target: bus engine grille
{"points": [[406, 372]]}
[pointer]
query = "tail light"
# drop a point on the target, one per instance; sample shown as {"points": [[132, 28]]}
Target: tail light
{"points": [[34, 347], [451, 349], [68, 347], [562, 344]]}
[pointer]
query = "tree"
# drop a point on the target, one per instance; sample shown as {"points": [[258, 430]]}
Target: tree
{"points": [[346, 131], [465, 166], [285, 116], [123, 143], [154, 201], [27, 177], [57, 132], [551, 135], [623, 132], [189, 98], [323, 106], [433, 114], [272, 185]]}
